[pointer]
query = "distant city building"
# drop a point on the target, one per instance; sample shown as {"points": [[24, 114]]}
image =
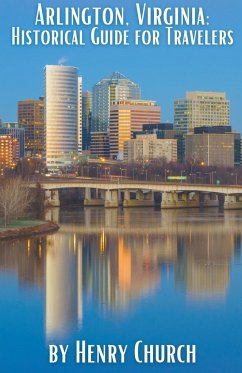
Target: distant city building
{"points": [[223, 130], [31, 118], [62, 115], [201, 109], [79, 116], [108, 90], [9, 152], [147, 147], [211, 149], [127, 116], [165, 131], [10, 125], [154, 127], [213, 129], [86, 120], [241, 151], [237, 151], [17, 132], [100, 144]]}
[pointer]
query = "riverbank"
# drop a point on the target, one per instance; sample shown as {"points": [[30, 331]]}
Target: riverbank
{"points": [[25, 228]]}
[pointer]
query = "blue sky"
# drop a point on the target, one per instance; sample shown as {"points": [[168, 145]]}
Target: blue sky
{"points": [[164, 72]]}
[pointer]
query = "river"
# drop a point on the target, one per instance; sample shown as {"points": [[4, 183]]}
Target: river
{"points": [[117, 276]]}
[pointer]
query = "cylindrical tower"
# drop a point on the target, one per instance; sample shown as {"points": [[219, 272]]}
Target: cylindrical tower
{"points": [[61, 115]]}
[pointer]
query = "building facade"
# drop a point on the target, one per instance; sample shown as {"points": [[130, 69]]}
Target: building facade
{"points": [[201, 109], [223, 130], [31, 118], [165, 131], [108, 90], [100, 144], [211, 149], [9, 152], [17, 132], [86, 120], [79, 116], [62, 116], [147, 147], [126, 117]]}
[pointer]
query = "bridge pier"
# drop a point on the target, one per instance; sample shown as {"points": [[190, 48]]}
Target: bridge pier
{"points": [[209, 200], [93, 200], [232, 202], [111, 198], [174, 200], [141, 199], [52, 198]]}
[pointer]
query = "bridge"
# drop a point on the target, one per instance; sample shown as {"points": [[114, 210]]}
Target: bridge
{"points": [[133, 193]]}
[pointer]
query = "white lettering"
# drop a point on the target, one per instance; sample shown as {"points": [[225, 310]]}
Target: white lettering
{"points": [[80, 352], [136, 352], [39, 16]]}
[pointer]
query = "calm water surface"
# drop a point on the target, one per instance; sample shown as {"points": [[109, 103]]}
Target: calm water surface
{"points": [[114, 277]]}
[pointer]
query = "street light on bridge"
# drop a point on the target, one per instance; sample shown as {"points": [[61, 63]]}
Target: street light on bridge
{"points": [[211, 173], [236, 177], [166, 172]]}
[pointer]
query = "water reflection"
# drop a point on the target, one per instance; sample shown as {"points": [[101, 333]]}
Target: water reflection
{"points": [[61, 284], [26, 258], [114, 258]]}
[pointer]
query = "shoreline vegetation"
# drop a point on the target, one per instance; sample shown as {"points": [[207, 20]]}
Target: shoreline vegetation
{"points": [[16, 200], [27, 228]]}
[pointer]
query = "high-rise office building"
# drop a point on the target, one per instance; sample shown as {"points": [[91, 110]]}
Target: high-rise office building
{"points": [[17, 132], [113, 88], [241, 151], [9, 152], [100, 144], [79, 116], [211, 149], [31, 118], [62, 115], [126, 117], [201, 109], [223, 130], [86, 120]]}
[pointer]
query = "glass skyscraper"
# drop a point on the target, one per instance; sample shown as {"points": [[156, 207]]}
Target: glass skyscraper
{"points": [[86, 120], [108, 90]]}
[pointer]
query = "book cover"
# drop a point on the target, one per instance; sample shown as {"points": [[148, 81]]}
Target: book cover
{"points": [[120, 141]]}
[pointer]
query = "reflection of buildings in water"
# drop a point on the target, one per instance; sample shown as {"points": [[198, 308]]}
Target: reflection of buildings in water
{"points": [[138, 273], [116, 261], [99, 263], [94, 217], [237, 249], [26, 257], [203, 263], [118, 269], [63, 284]]}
